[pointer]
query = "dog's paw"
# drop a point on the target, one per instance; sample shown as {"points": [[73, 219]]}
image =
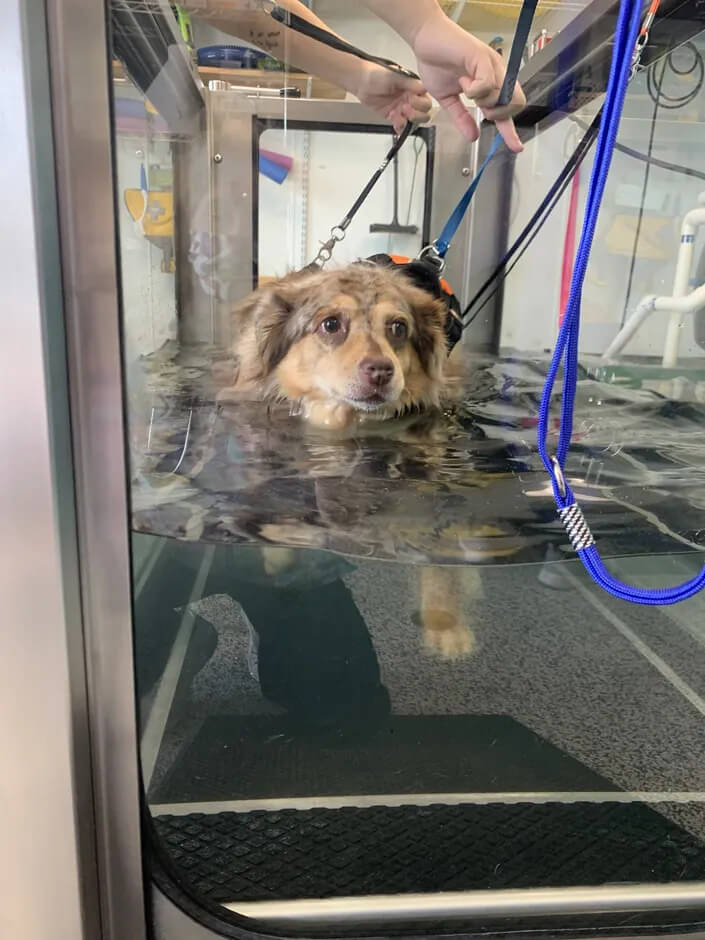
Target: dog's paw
{"points": [[277, 559], [445, 635], [330, 415]]}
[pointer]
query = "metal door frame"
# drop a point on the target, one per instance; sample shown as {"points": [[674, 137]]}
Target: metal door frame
{"points": [[48, 884], [72, 862], [79, 78]]}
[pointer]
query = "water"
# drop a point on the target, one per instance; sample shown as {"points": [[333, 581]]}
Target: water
{"points": [[286, 658], [465, 487]]}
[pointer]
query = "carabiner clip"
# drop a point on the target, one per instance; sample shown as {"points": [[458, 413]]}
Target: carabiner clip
{"points": [[430, 255]]}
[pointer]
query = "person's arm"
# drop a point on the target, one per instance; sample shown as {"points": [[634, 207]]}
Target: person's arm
{"points": [[452, 61], [396, 97]]}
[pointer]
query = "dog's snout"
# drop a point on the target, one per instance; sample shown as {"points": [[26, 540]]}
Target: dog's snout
{"points": [[377, 371]]}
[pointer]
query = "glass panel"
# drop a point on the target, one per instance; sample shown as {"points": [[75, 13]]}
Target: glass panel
{"points": [[368, 659], [313, 184]]}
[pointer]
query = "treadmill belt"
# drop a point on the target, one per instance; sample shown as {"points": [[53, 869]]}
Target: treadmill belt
{"points": [[264, 757]]}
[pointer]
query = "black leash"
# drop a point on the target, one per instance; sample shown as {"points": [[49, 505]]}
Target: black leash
{"points": [[337, 233], [300, 25], [535, 223], [521, 37]]}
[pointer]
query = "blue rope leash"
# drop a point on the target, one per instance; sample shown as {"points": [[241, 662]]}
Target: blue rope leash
{"points": [[567, 342]]}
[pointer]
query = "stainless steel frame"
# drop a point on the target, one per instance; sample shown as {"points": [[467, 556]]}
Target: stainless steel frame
{"points": [[216, 187], [79, 68], [473, 905], [231, 121], [48, 885], [477, 243], [487, 240], [574, 67]]}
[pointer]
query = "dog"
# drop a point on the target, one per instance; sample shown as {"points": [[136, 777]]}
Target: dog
{"points": [[353, 349], [345, 347]]}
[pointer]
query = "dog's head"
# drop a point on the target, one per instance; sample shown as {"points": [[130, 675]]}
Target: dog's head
{"points": [[365, 336]]}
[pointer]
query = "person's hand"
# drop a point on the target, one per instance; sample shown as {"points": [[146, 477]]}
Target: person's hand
{"points": [[396, 97], [451, 61]]}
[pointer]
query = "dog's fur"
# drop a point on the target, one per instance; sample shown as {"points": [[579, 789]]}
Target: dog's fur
{"points": [[283, 351], [320, 338]]}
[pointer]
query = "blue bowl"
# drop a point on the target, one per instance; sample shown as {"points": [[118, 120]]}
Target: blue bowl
{"points": [[231, 57]]}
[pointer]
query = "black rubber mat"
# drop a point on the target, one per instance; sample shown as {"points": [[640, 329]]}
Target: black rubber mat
{"points": [[257, 757], [379, 850]]}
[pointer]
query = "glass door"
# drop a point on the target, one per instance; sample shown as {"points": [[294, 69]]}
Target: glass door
{"points": [[376, 690]]}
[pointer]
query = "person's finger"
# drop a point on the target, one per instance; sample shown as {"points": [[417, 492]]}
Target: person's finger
{"points": [[500, 69], [509, 135], [417, 108], [483, 83], [398, 123], [488, 101], [421, 102], [410, 85], [516, 105], [463, 120], [418, 117], [519, 98], [482, 101], [397, 119]]}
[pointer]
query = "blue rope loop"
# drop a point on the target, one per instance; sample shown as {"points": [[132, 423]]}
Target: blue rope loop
{"points": [[567, 343]]}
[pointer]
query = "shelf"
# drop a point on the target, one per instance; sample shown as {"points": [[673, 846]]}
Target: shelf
{"points": [[309, 85]]}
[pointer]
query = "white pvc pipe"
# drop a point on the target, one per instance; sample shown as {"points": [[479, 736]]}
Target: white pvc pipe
{"points": [[642, 311], [676, 306], [688, 304], [692, 221]]}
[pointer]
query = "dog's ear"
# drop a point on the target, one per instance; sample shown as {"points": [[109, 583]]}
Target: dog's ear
{"points": [[429, 337], [272, 327], [279, 319]]}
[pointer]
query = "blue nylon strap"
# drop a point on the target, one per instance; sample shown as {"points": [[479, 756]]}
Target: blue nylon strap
{"points": [[567, 342], [442, 243], [521, 36]]}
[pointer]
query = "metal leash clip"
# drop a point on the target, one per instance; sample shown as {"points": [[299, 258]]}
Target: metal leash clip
{"points": [[430, 255], [325, 252], [643, 38]]}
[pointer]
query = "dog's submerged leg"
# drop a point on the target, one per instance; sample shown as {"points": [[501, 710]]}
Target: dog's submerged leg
{"points": [[446, 596]]}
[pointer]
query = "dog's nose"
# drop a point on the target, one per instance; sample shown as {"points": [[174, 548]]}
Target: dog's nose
{"points": [[377, 371]]}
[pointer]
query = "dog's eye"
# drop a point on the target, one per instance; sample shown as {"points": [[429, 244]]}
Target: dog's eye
{"points": [[331, 325], [398, 329]]}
